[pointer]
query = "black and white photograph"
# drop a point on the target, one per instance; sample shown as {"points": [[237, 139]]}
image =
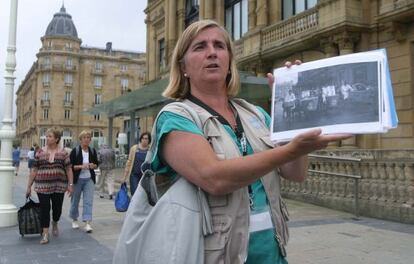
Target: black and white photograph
{"points": [[339, 96]]}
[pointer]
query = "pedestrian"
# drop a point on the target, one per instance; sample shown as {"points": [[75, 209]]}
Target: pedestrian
{"points": [[30, 158], [230, 156], [136, 157], [16, 159], [52, 175], [106, 159], [84, 162]]}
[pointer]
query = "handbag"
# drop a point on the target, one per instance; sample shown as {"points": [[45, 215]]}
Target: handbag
{"points": [[166, 222], [122, 198], [28, 217]]}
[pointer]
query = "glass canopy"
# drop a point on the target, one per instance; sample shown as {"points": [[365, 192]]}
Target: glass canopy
{"points": [[147, 100]]}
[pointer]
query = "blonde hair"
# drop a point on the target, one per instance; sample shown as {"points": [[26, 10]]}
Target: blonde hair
{"points": [[179, 86], [56, 134], [84, 133]]}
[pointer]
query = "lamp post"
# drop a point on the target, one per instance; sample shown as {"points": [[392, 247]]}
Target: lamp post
{"points": [[8, 211]]}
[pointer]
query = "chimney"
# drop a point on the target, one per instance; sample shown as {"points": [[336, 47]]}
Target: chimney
{"points": [[108, 46]]}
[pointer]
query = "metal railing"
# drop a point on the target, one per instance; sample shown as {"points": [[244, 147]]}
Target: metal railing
{"points": [[356, 178]]}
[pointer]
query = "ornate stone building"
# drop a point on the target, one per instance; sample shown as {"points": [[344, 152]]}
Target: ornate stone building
{"points": [[67, 79], [269, 32]]}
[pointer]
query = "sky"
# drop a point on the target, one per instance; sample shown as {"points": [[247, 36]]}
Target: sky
{"points": [[97, 22]]}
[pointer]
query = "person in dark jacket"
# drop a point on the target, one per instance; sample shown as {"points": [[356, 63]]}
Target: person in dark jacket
{"points": [[84, 161]]}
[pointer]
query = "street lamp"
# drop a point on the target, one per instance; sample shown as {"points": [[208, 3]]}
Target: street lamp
{"points": [[8, 211]]}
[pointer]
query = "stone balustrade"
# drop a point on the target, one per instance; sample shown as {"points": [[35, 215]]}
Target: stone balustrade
{"points": [[238, 48], [394, 5], [386, 189], [303, 22]]}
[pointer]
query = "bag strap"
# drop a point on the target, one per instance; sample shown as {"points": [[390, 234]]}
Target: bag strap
{"points": [[148, 177]]}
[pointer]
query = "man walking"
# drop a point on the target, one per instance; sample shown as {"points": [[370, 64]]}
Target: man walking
{"points": [[106, 158]]}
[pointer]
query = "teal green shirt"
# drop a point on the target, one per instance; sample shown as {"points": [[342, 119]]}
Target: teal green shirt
{"points": [[263, 247]]}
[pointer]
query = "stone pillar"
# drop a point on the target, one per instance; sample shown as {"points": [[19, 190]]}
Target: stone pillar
{"points": [[252, 14], [171, 29], [8, 211], [110, 131], [208, 9], [219, 12], [260, 68], [346, 42], [180, 17], [201, 10], [261, 11], [329, 47], [132, 128]]}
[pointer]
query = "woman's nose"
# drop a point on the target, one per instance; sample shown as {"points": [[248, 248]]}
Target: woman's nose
{"points": [[211, 50]]}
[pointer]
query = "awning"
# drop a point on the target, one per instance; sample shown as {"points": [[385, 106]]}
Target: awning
{"points": [[147, 100]]}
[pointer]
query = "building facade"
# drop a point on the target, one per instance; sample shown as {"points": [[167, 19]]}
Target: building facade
{"points": [[67, 79], [269, 32]]}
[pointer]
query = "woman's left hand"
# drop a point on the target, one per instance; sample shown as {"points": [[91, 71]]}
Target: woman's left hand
{"points": [[70, 190], [271, 78]]}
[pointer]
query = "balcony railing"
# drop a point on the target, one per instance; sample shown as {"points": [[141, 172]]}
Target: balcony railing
{"points": [[386, 187], [238, 48], [98, 71], [45, 102], [67, 103], [57, 67], [387, 6], [303, 22], [45, 66]]}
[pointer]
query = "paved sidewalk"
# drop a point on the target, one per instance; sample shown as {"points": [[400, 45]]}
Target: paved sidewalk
{"points": [[318, 236]]}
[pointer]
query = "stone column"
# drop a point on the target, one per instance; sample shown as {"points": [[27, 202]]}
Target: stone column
{"points": [[132, 128], [201, 11], [329, 47], [219, 12], [171, 29], [208, 9], [261, 11], [8, 211], [110, 131], [346, 42], [252, 14]]}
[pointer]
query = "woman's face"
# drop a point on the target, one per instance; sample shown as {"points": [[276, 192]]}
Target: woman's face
{"points": [[207, 58], [144, 141], [85, 140], [50, 139]]}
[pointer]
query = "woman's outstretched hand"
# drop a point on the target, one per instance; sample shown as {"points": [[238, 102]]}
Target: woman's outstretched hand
{"points": [[313, 140], [271, 78]]}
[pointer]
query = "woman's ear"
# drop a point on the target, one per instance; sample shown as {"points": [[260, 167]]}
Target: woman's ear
{"points": [[182, 66]]}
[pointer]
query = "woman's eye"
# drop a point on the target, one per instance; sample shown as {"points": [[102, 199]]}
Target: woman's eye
{"points": [[221, 45]]}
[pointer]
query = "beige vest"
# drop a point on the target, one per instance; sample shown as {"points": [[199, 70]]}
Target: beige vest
{"points": [[230, 212]]}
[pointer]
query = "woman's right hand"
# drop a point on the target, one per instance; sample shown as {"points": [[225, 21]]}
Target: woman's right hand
{"points": [[313, 140], [28, 191]]}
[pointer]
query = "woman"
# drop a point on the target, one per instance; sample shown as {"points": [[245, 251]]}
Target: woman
{"points": [[136, 157], [52, 175], [84, 161], [30, 158], [237, 165]]}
